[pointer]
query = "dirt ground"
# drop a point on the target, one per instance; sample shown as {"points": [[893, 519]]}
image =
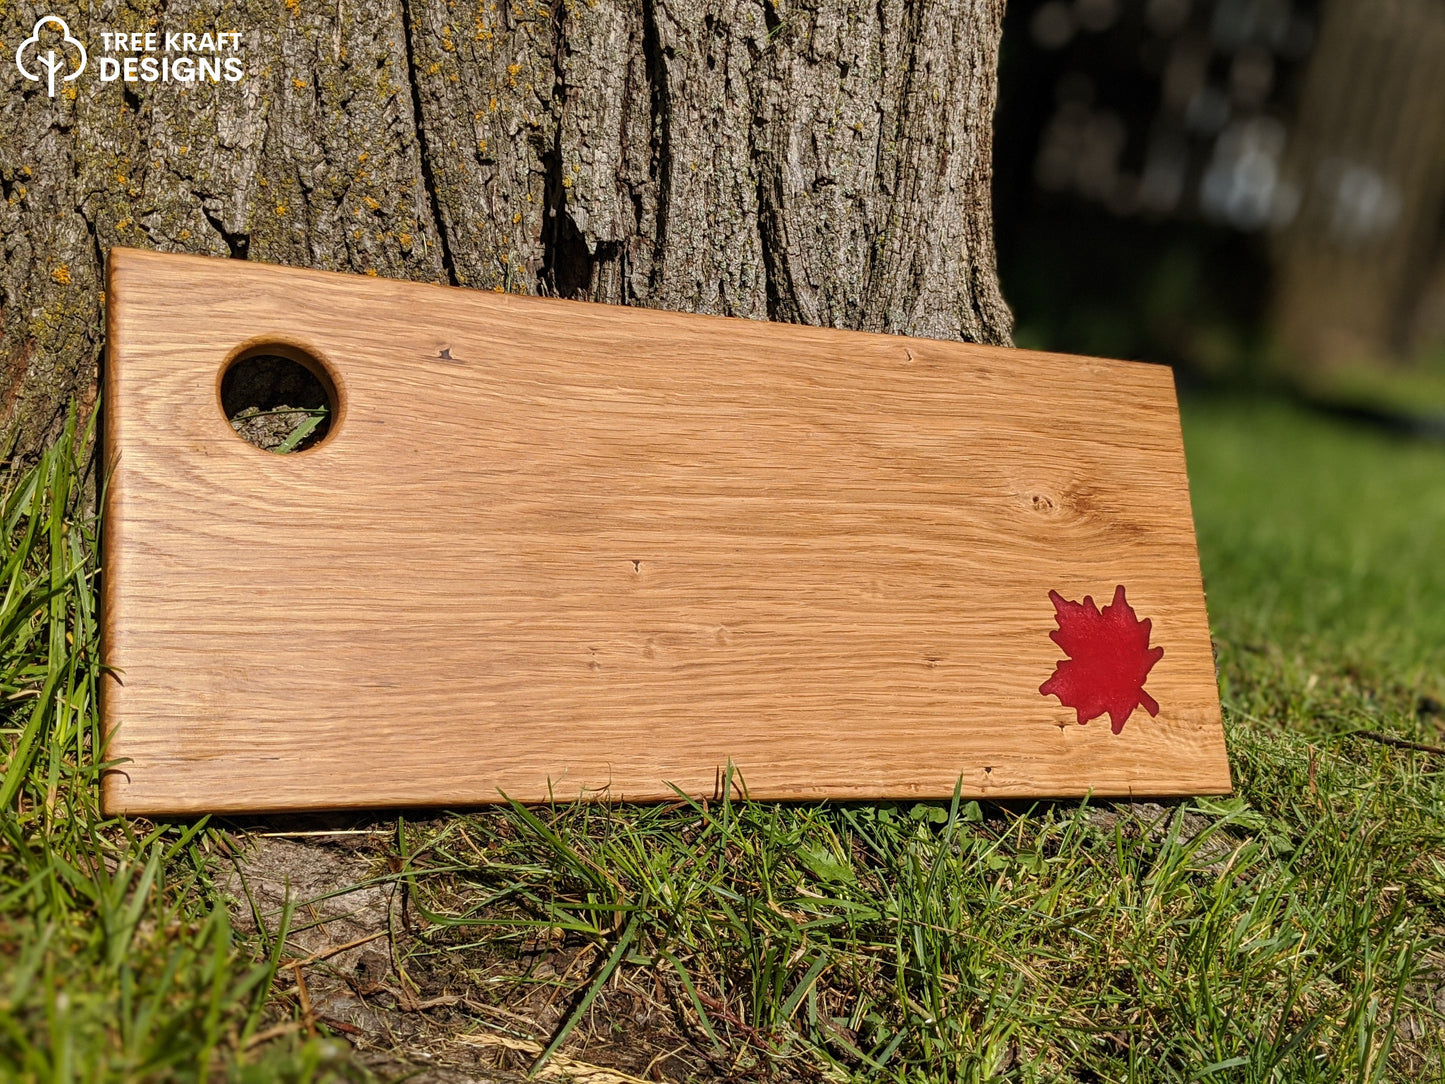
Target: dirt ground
{"points": [[358, 964]]}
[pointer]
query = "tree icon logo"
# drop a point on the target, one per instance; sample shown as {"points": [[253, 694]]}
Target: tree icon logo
{"points": [[50, 61]]}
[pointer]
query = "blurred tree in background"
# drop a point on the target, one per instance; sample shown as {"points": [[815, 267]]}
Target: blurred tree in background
{"points": [[1224, 183], [1360, 267]]}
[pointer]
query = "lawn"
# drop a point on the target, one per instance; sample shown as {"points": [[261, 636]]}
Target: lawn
{"points": [[1289, 933]]}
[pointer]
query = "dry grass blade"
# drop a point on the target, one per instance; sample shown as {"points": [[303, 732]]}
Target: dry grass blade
{"points": [[558, 1067]]}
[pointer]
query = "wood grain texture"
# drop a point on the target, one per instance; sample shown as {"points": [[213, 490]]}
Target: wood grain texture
{"points": [[554, 547]]}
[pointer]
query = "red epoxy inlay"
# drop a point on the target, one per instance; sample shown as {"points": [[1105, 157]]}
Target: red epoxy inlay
{"points": [[1109, 659]]}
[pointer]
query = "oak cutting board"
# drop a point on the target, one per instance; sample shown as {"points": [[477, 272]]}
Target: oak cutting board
{"points": [[553, 548]]}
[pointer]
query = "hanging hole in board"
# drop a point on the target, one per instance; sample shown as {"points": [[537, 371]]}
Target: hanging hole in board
{"points": [[279, 398]]}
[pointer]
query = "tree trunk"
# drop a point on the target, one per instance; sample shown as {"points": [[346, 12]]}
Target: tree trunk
{"points": [[825, 162]]}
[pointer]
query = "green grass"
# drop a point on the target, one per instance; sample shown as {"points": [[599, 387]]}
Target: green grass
{"points": [[1414, 388], [1322, 551], [115, 962], [1290, 933]]}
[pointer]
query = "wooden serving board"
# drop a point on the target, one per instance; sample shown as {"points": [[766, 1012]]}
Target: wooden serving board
{"points": [[552, 548]]}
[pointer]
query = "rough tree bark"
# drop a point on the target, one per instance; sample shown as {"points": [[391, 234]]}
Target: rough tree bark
{"points": [[825, 161]]}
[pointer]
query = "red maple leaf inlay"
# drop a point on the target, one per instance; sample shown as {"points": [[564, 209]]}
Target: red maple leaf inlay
{"points": [[1109, 659]]}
